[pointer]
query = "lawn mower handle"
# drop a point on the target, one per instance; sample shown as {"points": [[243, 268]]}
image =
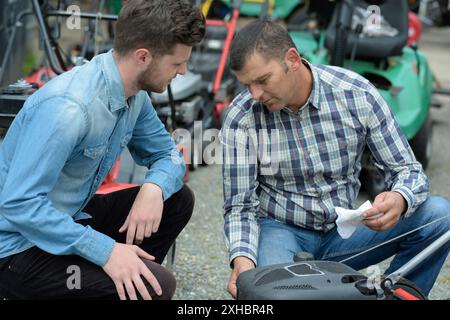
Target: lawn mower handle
{"points": [[418, 259]]}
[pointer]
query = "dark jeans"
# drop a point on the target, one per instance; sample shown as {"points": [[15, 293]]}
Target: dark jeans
{"points": [[35, 274]]}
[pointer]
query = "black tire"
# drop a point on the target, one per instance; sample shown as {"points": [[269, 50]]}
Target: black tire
{"points": [[193, 166], [197, 159], [409, 287], [196, 156], [340, 47], [422, 143]]}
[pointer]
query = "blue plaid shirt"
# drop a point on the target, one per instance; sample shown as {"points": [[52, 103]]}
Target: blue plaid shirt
{"points": [[296, 167]]}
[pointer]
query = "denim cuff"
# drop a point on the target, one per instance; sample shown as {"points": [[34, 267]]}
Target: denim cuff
{"points": [[95, 246]]}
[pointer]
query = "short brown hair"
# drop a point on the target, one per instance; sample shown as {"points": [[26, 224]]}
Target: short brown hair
{"points": [[158, 25], [265, 37]]}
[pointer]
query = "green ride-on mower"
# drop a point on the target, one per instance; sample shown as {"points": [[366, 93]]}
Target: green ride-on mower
{"points": [[291, 11], [399, 71]]}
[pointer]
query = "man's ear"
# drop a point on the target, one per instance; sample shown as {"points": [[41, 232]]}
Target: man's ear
{"points": [[293, 59], [142, 57]]}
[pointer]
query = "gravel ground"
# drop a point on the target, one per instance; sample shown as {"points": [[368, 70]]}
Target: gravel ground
{"points": [[201, 264]]}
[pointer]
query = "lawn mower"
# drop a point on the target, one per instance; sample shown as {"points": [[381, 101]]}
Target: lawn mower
{"points": [[432, 13], [209, 58], [399, 71], [309, 279], [195, 100], [289, 10]]}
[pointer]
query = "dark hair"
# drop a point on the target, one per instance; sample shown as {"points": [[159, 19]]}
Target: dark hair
{"points": [[158, 25], [266, 37]]}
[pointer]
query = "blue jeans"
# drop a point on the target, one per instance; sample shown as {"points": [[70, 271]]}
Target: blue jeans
{"points": [[279, 242]]}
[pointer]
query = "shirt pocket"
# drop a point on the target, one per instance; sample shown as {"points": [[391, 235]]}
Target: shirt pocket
{"points": [[95, 152], [92, 156]]}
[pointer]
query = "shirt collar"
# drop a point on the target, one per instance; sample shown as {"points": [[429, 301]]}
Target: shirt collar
{"points": [[314, 98], [114, 85]]}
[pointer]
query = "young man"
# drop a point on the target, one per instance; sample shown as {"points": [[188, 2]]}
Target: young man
{"points": [[62, 144], [315, 122]]}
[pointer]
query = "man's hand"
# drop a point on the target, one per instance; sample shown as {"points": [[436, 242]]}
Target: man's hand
{"points": [[145, 214], [240, 264], [125, 268], [392, 204]]}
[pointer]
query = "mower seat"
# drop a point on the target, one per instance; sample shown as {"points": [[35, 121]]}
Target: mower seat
{"points": [[395, 12]]}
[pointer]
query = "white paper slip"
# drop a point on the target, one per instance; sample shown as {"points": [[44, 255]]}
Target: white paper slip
{"points": [[348, 219]]}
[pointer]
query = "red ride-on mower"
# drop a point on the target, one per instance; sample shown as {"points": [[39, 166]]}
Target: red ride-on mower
{"points": [[209, 58]]}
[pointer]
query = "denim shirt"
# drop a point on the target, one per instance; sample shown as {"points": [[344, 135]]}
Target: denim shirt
{"points": [[59, 149]]}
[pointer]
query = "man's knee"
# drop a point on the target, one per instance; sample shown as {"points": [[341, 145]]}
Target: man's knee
{"points": [[188, 196], [179, 207], [165, 279], [436, 208], [187, 200]]}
